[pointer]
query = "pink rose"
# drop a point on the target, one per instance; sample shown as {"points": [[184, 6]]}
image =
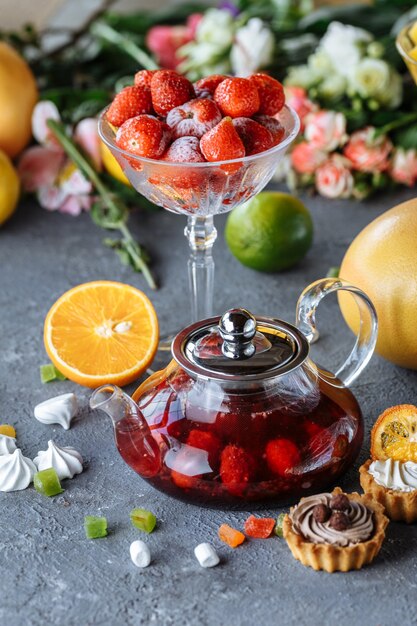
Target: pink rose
{"points": [[403, 167], [334, 179], [297, 99], [306, 158], [164, 41], [326, 130], [366, 153]]}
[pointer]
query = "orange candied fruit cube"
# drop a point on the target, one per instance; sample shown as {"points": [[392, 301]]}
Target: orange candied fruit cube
{"points": [[231, 536], [9, 431], [259, 527]]}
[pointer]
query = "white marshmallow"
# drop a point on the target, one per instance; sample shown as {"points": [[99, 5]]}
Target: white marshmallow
{"points": [[206, 555], [140, 553]]}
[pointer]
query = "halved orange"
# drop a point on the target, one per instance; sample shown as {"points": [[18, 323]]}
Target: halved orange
{"points": [[101, 332], [394, 435]]}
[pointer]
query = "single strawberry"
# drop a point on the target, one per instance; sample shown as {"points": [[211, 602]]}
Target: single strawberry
{"points": [[273, 125], [282, 456], [184, 150], [318, 441], [183, 481], [144, 136], [206, 441], [271, 93], [143, 78], [194, 118], [255, 137], [169, 90], [237, 97], [128, 103], [207, 86], [222, 142], [237, 469]]}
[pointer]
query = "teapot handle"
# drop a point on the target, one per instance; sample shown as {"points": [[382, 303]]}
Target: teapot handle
{"points": [[366, 339]]}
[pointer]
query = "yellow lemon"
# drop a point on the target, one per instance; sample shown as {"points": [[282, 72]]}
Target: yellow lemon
{"points": [[18, 96], [111, 165], [9, 187], [382, 261]]}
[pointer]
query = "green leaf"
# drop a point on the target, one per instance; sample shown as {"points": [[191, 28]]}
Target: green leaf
{"points": [[406, 137]]}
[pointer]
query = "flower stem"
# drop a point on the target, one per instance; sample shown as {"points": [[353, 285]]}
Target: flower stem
{"points": [[106, 32], [395, 124], [114, 206]]}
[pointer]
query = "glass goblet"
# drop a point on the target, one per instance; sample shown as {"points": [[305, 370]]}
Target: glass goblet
{"points": [[199, 191]]}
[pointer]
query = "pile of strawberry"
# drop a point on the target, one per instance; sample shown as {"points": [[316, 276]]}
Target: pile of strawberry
{"points": [[164, 116]]}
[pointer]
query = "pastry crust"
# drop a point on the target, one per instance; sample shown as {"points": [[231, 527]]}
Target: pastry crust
{"points": [[331, 558], [400, 506]]}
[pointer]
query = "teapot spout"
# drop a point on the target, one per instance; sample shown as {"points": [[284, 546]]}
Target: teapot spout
{"points": [[114, 402], [133, 437]]}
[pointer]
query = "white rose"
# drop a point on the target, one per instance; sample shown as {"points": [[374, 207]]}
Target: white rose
{"points": [[370, 78], [320, 63], [333, 87], [392, 96], [302, 76], [345, 45], [198, 54], [216, 27], [253, 48]]}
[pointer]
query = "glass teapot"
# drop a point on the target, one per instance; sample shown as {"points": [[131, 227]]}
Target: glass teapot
{"points": [[241, 413]]}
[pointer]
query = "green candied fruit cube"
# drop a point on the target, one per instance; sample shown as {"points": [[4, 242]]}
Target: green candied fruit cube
{"points": [[95, 527], [278, 527], [143, 519], [47, 482], [49, 373]]}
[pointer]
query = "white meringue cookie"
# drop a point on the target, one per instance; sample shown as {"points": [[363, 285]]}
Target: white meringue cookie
{"points": [[16, 471], [7, 445], [66, 461], [58, 410]]}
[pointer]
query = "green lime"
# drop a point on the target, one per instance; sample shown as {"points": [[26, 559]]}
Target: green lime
{"points": [[270, 232]]}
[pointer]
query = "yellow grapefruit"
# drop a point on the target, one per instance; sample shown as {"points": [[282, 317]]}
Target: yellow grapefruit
{"points": [[111, 165], [9, 187], [18, 96], [382, 260]]}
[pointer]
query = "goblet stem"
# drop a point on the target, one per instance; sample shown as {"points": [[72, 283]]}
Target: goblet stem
{"points": [[201, 235]]}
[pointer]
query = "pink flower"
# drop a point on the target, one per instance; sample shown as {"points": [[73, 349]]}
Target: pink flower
{"points": [[297, 99], [45, 110], [45, 169], [306, 158], [326, 130], [164, 41], [403, 167], [334, 178], [39, 167], [366, 153], [86, 135]]}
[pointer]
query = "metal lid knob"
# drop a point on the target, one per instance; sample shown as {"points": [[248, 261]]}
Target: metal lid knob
{"points": [[237, 328]]}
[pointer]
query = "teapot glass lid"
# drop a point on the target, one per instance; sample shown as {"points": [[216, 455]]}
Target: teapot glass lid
{"points": [[239, 347]]}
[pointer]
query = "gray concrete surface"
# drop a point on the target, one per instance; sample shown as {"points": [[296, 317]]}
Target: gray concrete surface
{"points": [[49, 573]]}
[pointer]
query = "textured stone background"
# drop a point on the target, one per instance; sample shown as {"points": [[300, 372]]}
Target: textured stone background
{"points": [[49, 572]]}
